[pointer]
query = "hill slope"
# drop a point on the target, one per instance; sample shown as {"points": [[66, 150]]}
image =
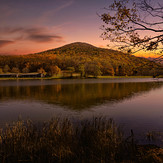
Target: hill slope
{"points": [[84, 58], [79, 48]]}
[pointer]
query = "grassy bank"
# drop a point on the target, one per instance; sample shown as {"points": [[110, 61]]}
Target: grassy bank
{"points": [[74, 77], [97, 140], [111, 77]]}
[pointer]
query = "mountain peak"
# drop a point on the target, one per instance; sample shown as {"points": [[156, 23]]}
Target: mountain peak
{"points": [[75, 46], [78, 45], [79, 48]]}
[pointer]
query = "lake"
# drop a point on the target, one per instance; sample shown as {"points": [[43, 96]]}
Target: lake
{"points": [[134, 103]]}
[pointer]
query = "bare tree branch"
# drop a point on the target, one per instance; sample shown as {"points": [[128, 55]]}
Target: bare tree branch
{"points": [[125, 19]]}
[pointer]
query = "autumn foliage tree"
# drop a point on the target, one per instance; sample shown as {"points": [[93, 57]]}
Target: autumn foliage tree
{"points": [[92, 68], [1, 71], [134, 25], [15, 70], [41, 71], [6, 69], [54, 70], [81, 69], [71, 70], [25, 70]]}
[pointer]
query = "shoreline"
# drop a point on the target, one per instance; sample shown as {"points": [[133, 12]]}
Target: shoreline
{"points": [[99, 77]]}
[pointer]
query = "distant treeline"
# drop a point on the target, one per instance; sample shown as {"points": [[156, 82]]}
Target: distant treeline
{"points": [[80, 58]]}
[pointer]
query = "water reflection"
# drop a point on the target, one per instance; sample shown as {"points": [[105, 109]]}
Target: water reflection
{"points": [[134, 104], [77, 96]]}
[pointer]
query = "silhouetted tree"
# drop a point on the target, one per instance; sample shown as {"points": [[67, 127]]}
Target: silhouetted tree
{"points": [[135, 25]]}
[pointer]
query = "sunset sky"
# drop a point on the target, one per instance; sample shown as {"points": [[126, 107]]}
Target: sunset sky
{"points": [[29, 26]]}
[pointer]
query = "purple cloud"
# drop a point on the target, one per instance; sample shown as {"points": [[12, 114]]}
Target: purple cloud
{"points": [[5, 42], [44, 38], [40, 35]]}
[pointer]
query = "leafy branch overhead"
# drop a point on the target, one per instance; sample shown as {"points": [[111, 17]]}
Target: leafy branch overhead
{"points": [[134, 25]]}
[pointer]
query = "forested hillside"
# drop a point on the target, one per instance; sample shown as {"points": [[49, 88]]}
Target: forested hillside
{"points": [[82, 58]]}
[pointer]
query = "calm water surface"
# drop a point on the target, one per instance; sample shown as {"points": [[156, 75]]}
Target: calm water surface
{"points": [[133, 103]]}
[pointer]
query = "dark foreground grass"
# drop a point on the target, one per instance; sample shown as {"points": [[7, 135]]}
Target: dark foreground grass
{"points": [[97, 140]]}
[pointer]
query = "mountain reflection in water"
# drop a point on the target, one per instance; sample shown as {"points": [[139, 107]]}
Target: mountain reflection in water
{"points": [[77, 96]]}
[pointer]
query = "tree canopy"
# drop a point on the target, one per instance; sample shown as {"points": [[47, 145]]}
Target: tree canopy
{"points": [[134, 25]]}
